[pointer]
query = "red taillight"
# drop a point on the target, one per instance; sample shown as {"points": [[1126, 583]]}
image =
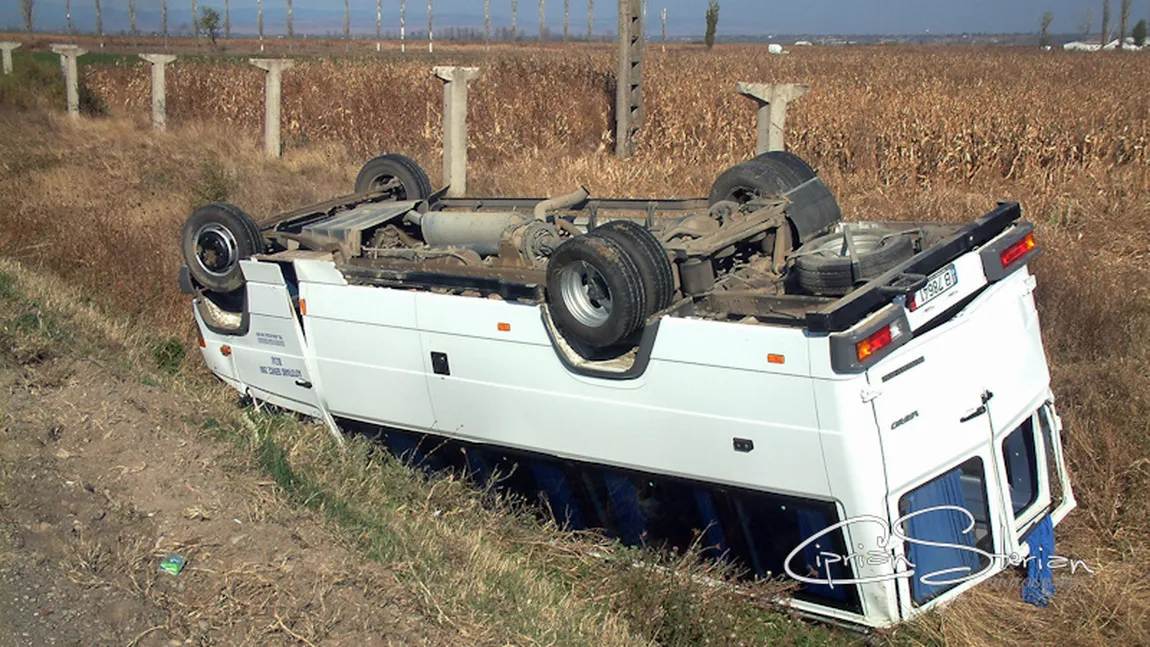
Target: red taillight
{"points": [[874, 343], [200, 339], [1017, 250], [878, 340]]}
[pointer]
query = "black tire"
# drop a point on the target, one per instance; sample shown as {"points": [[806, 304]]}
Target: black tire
{"points": [[751, 179], [813, 208], [595, 291], [822, 266], [795, 168], [649, 256], [413, 183], [215, 238]]}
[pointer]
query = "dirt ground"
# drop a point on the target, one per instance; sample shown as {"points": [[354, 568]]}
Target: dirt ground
{"points": [[102, 477]]}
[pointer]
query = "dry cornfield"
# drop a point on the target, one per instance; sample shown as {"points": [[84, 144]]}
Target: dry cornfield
{"points": [[901, 114], [898, 133]]}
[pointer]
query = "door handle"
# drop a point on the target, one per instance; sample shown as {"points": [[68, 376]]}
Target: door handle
{"points": [[304, 383], [974, 413]]}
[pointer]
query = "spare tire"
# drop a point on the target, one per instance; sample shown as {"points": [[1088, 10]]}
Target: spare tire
{"points": [[813, 208], [650, 258], [215, 238], [823, 266], [399, 174], [595, 291]]}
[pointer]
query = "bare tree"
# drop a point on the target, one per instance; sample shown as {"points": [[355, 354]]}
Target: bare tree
{"points": [[1105, 22], [402, 25], [378, 26], [514, 11], [1044, 28], [566, 20], [1086, 22], [542, 21], [347, 25], [132, 21], [430, 23], [590, 20], [27, 7], [100, 22], [1123, 22], [290, 25], [227, 20], [195, 24], [487, 23], [260, 21]]}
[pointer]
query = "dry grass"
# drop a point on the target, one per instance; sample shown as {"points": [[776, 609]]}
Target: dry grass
{"points": [[898, 133]]}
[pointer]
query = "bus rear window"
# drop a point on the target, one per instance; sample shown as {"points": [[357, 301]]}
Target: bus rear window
{"points": [[1021, 466], [939, 521]]}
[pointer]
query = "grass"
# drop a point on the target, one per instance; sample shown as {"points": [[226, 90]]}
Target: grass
{"points": [[479, 563], [898, 133]]}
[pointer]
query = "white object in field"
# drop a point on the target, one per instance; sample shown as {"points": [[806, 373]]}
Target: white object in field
{"points": [[68, 55], [274, 68], [775, 48], [6, 48], [159, 101], [859, 440]]}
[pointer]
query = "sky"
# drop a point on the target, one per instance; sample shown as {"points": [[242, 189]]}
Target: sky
{"points": [[685, 17]]}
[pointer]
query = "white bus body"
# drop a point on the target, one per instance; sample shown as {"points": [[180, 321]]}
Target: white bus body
{"points": [[747, 430]]}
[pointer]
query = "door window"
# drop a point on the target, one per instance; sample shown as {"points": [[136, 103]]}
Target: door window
{"points": [[1021, 462]]}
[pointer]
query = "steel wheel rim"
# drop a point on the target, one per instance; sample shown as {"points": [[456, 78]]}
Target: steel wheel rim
{"points": [[585, 293], [837, 247], [216, 249]]}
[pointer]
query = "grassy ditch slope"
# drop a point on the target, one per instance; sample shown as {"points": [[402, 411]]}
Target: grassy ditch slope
{"points": [[91, 210]]}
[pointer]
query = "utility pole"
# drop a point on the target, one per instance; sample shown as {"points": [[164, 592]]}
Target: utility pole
{"points": [[566, 20], [100, 22], [541, 21], [195, 24], [628, 82], [164, 20], [228, 20], [346, 26], [487, 23], [430, 21], [68, 16], [590, 20], [260, 21], [378, 26], [402, 26], [290, 26], [514, 11], [663, 17], [132, 20]]}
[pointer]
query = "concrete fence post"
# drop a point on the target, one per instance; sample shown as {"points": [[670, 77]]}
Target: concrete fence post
{"points": [[274, 68], [159, 99], [7, 47], [455, 80], [772, 99], [68, 55]]}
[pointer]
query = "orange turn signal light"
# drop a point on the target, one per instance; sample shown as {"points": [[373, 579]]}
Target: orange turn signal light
{"points": [[226, 350], [504, 327], [776, 359], [302, 307], [1017, 250]]}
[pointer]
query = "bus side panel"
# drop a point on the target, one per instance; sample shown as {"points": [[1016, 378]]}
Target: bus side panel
{"points": [[367, 350], [854, 464], [677, 418]]}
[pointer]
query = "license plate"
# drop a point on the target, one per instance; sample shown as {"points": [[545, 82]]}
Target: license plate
{"points": [[936, 285]]}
